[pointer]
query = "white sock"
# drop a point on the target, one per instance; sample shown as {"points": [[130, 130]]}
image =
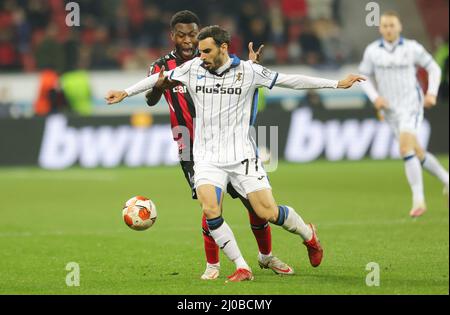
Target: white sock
{"points": [[413, 171], [224, 238], [432, 165], [294, 223], [263, 257], [241, 263], [215, 266]]}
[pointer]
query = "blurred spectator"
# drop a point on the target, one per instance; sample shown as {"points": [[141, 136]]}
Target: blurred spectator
{"points": [[9, 59], [50, 99], [312, 51], [72, 51], [294, 9], [153, 31], [120, 28], [248, 12], [139, 60], [336, 49], [22, 31], [277, 25], [49, 52], [38, 14], [258, 32], [77, 91], [101, 54], [320, 9], [238, 47]]}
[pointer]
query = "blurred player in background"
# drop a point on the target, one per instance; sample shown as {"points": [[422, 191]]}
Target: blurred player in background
{"points": [[184, 31], [392, 61], [224, 89]]}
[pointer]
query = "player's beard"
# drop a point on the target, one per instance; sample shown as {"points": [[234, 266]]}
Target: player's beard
{"points": [[217, 63]]}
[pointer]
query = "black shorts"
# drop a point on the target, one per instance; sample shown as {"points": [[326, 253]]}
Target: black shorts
{"points": [[188, 170]]}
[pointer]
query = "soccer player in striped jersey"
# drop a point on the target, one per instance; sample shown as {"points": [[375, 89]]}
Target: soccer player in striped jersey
{"points": [[184, 30], [224, 90], [392, 61]]}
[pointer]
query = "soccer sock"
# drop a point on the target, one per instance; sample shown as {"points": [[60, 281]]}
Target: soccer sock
{"points": [[292, 222], [216, 266], [211, 248], [261, 231], [432, 165], [262, 257], [413, 171], [224, 238]]}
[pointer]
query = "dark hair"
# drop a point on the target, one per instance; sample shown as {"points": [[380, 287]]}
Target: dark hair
{"points": [[184, 17], [217, 33]]}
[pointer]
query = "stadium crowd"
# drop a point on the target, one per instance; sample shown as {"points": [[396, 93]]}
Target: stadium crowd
{"points": [[128, 34], [131, 34]]}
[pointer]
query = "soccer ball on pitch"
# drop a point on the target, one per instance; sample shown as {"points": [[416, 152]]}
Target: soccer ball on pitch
{"points": [[139, 213]]}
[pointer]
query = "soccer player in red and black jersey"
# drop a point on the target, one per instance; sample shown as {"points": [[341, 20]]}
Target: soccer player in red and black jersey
{"points": [[184, 30]]}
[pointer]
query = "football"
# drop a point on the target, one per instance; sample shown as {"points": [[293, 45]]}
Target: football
{"points": [[139, 213]]}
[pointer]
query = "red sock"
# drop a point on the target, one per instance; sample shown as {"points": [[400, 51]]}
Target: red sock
{"points": [[261, 230], [211, 248]]}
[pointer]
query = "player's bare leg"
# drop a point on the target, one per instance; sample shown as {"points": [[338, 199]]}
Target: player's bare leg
{"points": [[265, 207], [431, 164], [262, 232], [210, 198], [413, 170]]}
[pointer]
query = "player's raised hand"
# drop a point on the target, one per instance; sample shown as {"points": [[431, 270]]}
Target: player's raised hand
{"points": [[163, 82], [381, 103], [254, 56], [349, 81], [161, 79], [113, 97], [430, 101]]}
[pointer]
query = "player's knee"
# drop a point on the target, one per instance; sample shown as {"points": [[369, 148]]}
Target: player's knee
{"points": [[268, 214], [266, 204], [273, 217], [211, 210], [420, 153], [406, 149]]}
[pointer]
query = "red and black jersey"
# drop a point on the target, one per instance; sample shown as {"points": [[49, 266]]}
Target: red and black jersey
{"points": [[181, 106]]}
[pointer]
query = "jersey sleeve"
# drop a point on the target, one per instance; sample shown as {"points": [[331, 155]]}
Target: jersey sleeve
{"points": [[181, 73], [154, 68], [264, 77], [366, 66], [421, 56]]}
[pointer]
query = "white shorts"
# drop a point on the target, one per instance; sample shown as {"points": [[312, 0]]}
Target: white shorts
{"points": [[246, 177], [408, 121]]}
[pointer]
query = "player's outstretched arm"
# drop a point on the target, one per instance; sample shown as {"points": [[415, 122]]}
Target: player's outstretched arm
{"points": [[349, 81], [113, 97], [300, 82]]}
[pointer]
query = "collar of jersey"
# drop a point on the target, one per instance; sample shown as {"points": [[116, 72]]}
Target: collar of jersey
{"points": [[400, 42], [235, 61]]}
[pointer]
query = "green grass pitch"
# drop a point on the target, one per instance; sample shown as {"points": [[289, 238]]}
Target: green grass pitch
{"points": [[51, 218]]}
